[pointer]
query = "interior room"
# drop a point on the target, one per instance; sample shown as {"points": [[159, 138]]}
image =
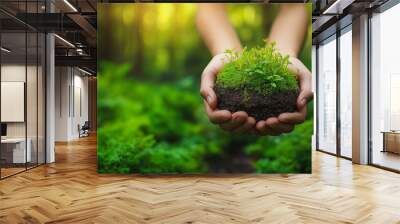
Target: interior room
{"points": [[48, 150], [72, 106], [334, 92], [22, 100], [28, 59], [385, 87]]}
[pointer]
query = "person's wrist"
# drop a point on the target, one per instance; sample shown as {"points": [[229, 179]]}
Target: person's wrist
{"points": [[283, 49]]}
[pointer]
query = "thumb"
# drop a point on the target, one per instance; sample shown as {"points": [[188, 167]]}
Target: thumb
{"points": [[209, 96], [304, 97], [305, 82]]}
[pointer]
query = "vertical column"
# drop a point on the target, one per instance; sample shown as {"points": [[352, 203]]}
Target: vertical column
{"points": [[316, 97], [50, 98], [50, 92], [92, 100], [314, 89], [338, 76], [360, 90]]}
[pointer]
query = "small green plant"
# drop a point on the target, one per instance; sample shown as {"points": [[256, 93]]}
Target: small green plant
{"points": [[257, 81], [261, 69]]}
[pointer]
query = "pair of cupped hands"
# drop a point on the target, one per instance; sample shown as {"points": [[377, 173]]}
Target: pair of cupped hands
{"points": [[240, 121]]}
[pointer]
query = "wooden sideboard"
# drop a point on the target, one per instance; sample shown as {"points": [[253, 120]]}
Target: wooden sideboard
{"points": [[13, 151], [391, 141]]}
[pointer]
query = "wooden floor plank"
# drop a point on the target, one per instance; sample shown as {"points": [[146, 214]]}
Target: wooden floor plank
{"points": [[71, 191]]}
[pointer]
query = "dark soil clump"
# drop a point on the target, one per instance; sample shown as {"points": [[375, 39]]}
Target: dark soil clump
{"points": [[255, 104]]}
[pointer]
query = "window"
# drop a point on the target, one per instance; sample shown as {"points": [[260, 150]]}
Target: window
{"points": [[22, 78], [346, 93], [327, 96], [385, 89], [15, 148]]}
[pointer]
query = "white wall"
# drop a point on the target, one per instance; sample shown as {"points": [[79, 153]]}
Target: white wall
{"points": [[10, 73], [33, 126], [80, 110], [16, 73], [71, 94], [62, 81]]}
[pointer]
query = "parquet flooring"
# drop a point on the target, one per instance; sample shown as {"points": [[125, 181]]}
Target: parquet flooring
{"points": [[10, 171], [70, 191]]}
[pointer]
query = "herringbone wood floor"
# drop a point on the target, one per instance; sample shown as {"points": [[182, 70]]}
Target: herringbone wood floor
{"points": [[70, 191]]}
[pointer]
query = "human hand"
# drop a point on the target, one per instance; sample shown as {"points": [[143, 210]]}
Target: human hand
{"points": [[285, 122], [237, 122]]}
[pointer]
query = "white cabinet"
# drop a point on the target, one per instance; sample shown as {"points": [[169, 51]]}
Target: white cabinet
{"points": [[18, 149]]}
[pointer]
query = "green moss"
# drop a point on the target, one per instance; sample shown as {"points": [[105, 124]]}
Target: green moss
{"points": [[260, 69]]}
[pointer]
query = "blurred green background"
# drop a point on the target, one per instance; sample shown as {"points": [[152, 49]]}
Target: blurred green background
{"points": [[150, 114]]}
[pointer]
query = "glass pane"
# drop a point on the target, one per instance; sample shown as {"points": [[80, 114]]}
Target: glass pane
{"points": [[14, 153], [41, 98], [22, 107], [327, 97], [385, 84], [345, 94], [31, 97], [31, 88]]}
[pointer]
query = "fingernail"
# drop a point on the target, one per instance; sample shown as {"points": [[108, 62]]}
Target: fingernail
{"points": [[303, 102], [209, 99]]}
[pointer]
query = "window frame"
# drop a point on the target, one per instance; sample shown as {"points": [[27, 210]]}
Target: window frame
{"points": [[381, 9], [27, 29], [334, 37]]}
